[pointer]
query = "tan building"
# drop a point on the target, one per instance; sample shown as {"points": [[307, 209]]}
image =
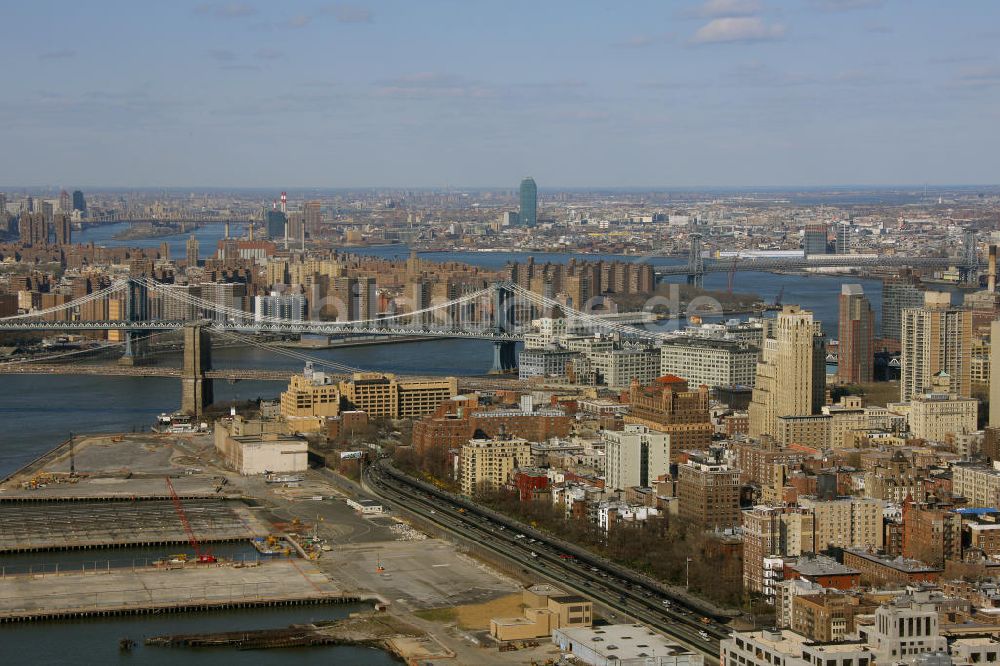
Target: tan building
{"points": [[828, 616], [255, 447], [977, 483], [382, 395], [310, 398], [935, 338], [709, 494], [812, 431], [545, 610], [935, 416], [845, 522], [667, 405], [773, 532], [791, 376], [486, 464]]}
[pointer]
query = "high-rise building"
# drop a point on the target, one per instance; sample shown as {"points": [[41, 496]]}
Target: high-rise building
{"points": [[635, 456], [191, 251], [79, 203], [486, 464], [63, 228], [936, 338], [843, 241], [814, 239], [528, 214], [791, 375], [708, 494], [313, 217], [275, 222], [65, 202], [898, 293], [667, 405], [856, 331], [995, 374], [33, 229], [291, 307]]}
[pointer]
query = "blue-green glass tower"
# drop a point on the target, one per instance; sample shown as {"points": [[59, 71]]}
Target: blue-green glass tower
{"points": [[529, 202]]}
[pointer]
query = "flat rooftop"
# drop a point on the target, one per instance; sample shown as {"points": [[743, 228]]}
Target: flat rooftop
{"points": [[624, 641]]}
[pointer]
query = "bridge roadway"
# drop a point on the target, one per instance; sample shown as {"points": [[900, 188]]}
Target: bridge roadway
{"points": [[618, 588], [723, 265], [474, 383]]}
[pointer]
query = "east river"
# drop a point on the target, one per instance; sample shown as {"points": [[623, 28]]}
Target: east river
{"points": [[38, 412]]}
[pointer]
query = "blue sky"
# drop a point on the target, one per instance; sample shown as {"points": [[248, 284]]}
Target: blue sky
{"points": [[428, 93]]}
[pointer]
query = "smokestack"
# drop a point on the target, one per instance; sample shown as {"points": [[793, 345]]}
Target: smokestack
{"points": [[274, 205], [991, 283], [227, 231], [284, 202], [251, 231]]}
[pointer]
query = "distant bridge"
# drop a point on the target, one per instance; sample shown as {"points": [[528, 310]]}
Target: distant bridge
{"points": [[966, 261]]}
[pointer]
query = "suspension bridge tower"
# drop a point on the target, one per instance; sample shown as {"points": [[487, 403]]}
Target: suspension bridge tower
{"points": [[504, 351], [968, 272], [196, 388], [696, 262], [136, 309]]}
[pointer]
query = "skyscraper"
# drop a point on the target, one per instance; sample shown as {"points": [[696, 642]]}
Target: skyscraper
{"points": [[529, 203], [791, 375], [192, 251], [276, 221], [65, 203], [79, 203], [856, 333], [313, 216], [898, 293], [843, 240], [814, 239], [33, 229], [935, 338], [63, 229]]}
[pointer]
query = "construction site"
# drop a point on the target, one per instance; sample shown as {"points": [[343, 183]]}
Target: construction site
{"points": [[142, 524]]}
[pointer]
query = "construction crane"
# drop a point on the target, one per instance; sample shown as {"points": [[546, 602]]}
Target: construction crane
{"points": [[204, 557]]}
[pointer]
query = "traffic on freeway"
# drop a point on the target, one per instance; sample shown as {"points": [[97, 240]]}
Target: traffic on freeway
{"points": [[633, 596]]}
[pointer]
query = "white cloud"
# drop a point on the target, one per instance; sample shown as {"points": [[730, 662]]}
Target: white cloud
{"points": [[738, 29]]}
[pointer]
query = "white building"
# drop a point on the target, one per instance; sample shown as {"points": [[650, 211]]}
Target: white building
{"points": [[267, 452], [619, 367], [623, 645], [635, 456], [282, 306], [787, 648], [708, 361]]}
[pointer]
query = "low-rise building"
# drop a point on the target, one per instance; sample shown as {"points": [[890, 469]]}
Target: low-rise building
{"points": [[545, 610], [624, 645], [885, 571]]}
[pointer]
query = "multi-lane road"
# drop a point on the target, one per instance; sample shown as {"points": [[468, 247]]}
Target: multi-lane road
{"points": [[628, 594]]}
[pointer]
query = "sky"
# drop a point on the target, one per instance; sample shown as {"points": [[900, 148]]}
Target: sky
{"points": [[477, 93]]}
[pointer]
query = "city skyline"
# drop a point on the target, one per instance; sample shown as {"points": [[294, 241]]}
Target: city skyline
{"points": [[723, 93]]}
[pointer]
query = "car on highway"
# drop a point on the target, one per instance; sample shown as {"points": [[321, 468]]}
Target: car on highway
{"points": [[704, 634]]}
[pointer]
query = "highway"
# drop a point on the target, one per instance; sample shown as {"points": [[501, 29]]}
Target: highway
{"points": [[629, 594]]}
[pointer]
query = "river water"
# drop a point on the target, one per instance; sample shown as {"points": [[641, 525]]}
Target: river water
{"points": [[38, 412], [95, 641]]}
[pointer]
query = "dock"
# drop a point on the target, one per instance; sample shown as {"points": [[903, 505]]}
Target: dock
{"points": [[26, 597]]}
